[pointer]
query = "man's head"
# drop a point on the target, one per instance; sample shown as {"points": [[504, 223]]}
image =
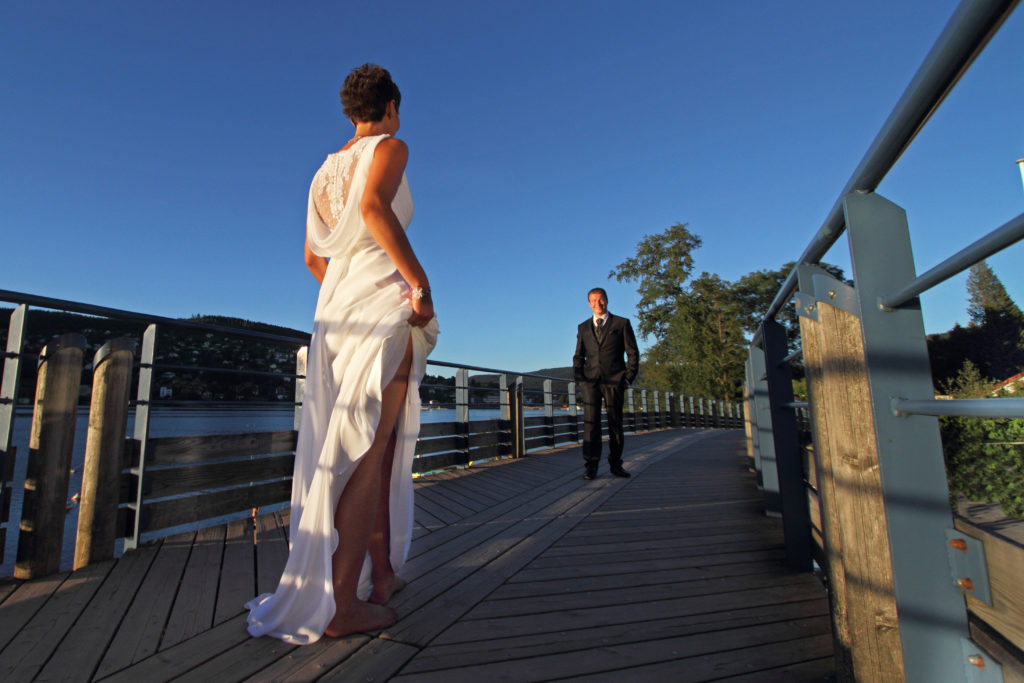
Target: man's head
{"points": [[598, 299]]}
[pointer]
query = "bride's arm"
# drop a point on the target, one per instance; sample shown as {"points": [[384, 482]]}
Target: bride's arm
{"points": [[382, 183], [316, 264]]}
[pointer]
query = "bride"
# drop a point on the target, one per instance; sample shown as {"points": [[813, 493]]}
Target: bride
{"points": [[352, 498]]}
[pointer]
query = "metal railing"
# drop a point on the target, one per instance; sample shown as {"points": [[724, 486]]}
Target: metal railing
{"points": [[868, 499], [172, 483]]}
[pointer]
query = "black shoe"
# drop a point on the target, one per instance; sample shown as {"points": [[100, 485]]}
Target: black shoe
{"points": [[619, 472], [590, 474]]}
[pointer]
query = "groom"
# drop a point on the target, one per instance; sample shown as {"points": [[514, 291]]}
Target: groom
{"points": [[601, 373]]}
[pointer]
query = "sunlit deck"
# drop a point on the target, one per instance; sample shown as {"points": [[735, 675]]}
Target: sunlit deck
{"points": [[520, 570]]}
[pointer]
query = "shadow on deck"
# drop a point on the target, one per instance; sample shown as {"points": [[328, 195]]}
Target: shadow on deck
{"points": [[520, 571]]}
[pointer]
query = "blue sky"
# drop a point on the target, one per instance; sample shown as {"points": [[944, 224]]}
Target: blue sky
{"points": [[156, 156]]}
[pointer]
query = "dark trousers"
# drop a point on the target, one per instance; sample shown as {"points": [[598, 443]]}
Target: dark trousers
{"points": [[613, 395]]}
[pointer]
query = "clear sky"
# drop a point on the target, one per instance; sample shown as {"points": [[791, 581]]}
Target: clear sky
{"points": [[155, 156]]}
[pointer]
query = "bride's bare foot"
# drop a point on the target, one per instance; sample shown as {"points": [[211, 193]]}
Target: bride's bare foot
{"points": [[383, 590], [360, 616]]}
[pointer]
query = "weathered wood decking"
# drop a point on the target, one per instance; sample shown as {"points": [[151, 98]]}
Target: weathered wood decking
{"points": [[520, 571]]}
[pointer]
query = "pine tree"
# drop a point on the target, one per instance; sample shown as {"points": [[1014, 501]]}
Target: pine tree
{"points": [[987, 300], [996, 324]]}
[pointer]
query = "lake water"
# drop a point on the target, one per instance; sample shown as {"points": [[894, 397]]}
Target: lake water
{"points": [[163, 422]]}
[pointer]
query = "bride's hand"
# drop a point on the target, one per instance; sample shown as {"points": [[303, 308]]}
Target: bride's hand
{"points": [[422, 311]]}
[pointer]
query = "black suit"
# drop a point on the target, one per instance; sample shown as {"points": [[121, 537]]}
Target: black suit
{"points": [[602, 373]]}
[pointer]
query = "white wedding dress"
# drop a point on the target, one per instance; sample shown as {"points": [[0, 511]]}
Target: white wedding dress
{"points": [[360, 333]]}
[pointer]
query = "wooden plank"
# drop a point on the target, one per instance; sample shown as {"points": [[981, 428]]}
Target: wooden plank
{"points": [[640, 577], [271, 551], [177, 511], [185, 656], [425, 500], [511, 550], [438, 461], [29, 650], [462, 487], [484, 651], [453, 500], [646, 660], [305, 663], [431, 429], [220, 475], [440, 445], [238, 573], [555, 622], [590, 595], [78, 655], [378, 660], [24, 602], [182, 450], [138, 634], [1005, 561], [870, 606], [197, 594]]}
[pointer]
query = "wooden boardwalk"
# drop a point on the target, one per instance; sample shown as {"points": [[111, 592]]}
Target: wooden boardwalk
{"points": [[520, 571]]}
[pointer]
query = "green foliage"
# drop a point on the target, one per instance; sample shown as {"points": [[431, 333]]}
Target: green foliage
{"points": [[662, 264], [987, 300], [984, 457], [699, 324], [755, 292], [993, 339]]}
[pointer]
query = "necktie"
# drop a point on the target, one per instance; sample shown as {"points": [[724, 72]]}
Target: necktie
{"points": [[600, 328]]}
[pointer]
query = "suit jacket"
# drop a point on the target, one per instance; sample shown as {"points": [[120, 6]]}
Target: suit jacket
{"points": [[602, 361]]}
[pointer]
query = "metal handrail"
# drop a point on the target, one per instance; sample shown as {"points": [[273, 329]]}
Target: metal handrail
{"points": [[995, 241], [968, 31], [961, 407], [104, 312]]}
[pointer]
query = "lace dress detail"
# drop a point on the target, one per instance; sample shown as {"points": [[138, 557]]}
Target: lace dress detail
{"points": [[336, 175], [360, 334]]}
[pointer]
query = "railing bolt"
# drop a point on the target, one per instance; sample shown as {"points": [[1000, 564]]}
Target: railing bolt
{"points": [[959, 544], [966, 583], [831, 294], [977, 660]]}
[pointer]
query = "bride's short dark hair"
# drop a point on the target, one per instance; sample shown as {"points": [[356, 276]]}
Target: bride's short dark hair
{"points": [[366, 92]]}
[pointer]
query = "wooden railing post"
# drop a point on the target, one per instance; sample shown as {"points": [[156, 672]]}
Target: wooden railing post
{"points": [[104, 452], [49, 459], [8, 404]]}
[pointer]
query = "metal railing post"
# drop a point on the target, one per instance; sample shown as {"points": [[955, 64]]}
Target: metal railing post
{"points": [[143, 404], [549, 413], [574, 412], [929, 607], [796, 520], [300, 383], [766, 468], [8, 404]]}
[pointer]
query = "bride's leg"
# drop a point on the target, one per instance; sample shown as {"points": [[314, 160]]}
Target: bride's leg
{"points": [[385, 583], [354, 519]]}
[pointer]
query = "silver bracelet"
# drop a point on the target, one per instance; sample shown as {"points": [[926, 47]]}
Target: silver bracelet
{"points": [[421, 292]]}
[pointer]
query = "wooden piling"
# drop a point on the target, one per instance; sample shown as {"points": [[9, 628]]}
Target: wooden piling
{"points": [[49, 458], [104, 452], [860, 566]]}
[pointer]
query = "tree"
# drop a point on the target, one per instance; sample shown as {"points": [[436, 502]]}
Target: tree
{"points": [[987, 300], [997, 324], [756, 291], [661, 267], [984, 459]]}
